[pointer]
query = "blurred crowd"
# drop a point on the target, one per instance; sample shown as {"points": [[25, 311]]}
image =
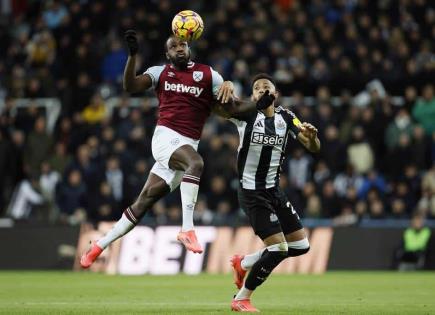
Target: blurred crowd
{"points": [[377, 157]]}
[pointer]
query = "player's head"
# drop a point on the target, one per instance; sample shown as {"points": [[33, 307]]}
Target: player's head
{"points": [[177, 52], [261, 83]]}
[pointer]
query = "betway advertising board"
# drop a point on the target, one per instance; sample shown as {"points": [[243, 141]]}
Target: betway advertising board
{"points": [[145, 250]]}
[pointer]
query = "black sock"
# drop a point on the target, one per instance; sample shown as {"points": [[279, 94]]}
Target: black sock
{"points": [[263, 267], [293, 252]]}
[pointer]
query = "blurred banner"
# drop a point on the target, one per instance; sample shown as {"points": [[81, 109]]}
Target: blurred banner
{"points": [[156, 251], [147, 250]]}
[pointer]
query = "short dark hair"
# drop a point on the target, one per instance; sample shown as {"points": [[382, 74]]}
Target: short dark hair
{"points": [[262, 76]]}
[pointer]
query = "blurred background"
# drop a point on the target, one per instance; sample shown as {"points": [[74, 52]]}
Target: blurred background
{"points": [[75, 150]]}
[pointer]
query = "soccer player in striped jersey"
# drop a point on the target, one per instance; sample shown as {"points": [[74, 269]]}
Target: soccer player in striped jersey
{"points": [[264, 135]]}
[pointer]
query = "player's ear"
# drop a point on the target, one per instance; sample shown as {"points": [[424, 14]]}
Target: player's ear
{"points": [[252, 97], [167, 56], [276, 94]]}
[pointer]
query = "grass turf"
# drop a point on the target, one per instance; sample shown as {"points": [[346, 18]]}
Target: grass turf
{"points": [[332, 293]]}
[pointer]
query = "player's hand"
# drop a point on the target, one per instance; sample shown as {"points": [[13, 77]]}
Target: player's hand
{"points": [[265, 100], [131, 41], [226, 92], [308, 130]]}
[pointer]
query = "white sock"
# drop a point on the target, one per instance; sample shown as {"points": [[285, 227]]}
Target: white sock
{"points": [[123, 226], [189, 192], [243, 294], [249, 260]]}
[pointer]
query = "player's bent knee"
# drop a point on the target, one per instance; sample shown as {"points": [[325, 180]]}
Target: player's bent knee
{"points": [[279, 251], [298, 248], [196, 165]]}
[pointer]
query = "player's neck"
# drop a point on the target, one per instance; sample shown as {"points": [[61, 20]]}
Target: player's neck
{"points": [[270, 111], [180, 67]]}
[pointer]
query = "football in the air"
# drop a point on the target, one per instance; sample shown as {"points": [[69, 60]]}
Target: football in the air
{"points": [[187, 25]]}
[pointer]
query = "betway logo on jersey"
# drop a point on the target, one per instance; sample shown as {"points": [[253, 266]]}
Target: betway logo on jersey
{"points": [[263, 139], [181, 88]]}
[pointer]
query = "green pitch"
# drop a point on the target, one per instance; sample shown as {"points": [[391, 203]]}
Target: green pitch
{"points": [[333, 293]]}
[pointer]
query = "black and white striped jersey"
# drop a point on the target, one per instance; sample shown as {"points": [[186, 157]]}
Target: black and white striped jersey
{"points": [[262, 146]]}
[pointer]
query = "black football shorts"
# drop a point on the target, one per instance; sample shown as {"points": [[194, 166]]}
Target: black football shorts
{"points": [[269, 211]]}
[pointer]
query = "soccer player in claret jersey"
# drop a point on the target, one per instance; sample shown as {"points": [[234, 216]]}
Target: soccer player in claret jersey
{"points": [[187, 92], [264, 135]]}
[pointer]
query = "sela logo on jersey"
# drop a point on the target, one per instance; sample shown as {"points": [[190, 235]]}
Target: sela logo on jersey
{"points": [[181, 88], [263, 139]]}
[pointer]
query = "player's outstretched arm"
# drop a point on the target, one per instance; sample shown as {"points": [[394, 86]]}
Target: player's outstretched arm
{"points": [[235, 108], [133, 83], [308, 137]]}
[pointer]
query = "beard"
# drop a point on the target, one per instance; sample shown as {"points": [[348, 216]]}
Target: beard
{"points": [[181, 62]]}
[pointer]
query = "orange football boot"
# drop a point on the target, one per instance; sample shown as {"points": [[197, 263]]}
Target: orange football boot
{"points": [[189, 240], [238, 272], [243, 306], [90, 256]]}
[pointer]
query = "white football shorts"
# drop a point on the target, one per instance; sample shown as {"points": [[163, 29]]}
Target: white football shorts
{"points": [[165, 141]]}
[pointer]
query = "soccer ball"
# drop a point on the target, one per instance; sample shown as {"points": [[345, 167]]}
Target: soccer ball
{"points": [[187, 25]]}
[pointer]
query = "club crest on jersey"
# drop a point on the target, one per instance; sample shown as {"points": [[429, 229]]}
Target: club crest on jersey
{"points": [[273, 217], [280, 124], [197, 75]]}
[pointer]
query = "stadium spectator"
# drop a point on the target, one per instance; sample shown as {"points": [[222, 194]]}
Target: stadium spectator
{"points": [[95, 112], [299, 168], [102, 205], [38, 145], [54, 14], [70, 50], [424, 109], [359, 152], [113, 63], [59, 159], [48, 181], [203, 215], [415, 241], [26, 198], [115, 178], [402, 124], [71, 198]]}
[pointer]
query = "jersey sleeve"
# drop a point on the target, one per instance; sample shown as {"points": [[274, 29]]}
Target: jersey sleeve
{"points": [[292, 121], [154, 73], [217, 81], [243, 118]]}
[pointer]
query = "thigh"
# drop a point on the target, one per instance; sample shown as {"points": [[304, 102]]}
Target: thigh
{"points": [[182, 157], [295, 236], [166, 141], [258, 206], [274, 239], [287, 215]]}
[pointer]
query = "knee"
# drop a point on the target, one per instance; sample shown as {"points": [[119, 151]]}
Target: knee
{"points": [[196, 165], [298, 248], [279, 251]]}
